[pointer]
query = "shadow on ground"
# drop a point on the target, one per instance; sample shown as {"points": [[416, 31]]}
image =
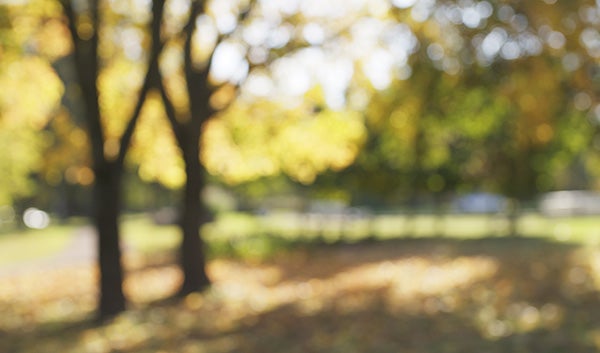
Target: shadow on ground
{"points": [[409, 295]]}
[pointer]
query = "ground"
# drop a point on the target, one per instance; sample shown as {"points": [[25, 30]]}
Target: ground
{"points": [[404, 295]]}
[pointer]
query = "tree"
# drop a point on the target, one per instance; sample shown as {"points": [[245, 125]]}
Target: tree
{"points": [[511, 80], [107, 155], [187, 130], [254, 37]]}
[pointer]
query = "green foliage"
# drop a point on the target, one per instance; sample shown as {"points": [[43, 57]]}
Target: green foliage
{"points": [[455, 112], [24, 112], [31, 95]]}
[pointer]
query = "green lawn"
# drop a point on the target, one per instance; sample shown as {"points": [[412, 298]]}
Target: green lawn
{"points": [[241, 233], [246, 235], [140, 233]]}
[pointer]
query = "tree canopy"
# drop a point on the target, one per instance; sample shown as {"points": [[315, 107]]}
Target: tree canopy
{"points": [[451, 95]]}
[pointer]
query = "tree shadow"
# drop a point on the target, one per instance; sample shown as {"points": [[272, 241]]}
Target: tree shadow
{"points": [[321, 259], [541, 297], [403, 295]]}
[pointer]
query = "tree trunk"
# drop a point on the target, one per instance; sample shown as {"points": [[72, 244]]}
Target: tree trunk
{"points": [[107, 195], [193, 215], [107, 186]]}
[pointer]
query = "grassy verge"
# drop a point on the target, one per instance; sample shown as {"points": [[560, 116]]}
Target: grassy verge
{"points": [[247, 236], [31, 244], [143, 235]]}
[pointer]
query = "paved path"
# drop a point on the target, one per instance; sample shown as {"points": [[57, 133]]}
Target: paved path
{"points": [[81, 250]]}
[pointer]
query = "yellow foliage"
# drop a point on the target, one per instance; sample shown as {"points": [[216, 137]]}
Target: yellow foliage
{"points": [[264, 139], [171, 61], [22, 154], [31, 96], [54, 40], [70, 149], [154, 147], [32, 92], [118, 85], [223, 97], [222, 156], [330, 140]]}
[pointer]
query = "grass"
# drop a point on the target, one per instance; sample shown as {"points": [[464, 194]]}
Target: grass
{"points": [[246, 235], [31, 244], [581, 230], [421, 284], [143, 235]]}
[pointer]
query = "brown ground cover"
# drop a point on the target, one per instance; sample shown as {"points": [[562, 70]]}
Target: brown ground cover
{"points": [[409, 295]]}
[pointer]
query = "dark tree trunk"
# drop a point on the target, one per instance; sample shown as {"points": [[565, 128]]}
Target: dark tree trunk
{"points": [[107, 195], [193, 215], [188, 131], [108, 169]]}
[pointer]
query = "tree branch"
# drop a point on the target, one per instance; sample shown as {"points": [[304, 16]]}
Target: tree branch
{"points": [[170, 111], [202, 76], [86, 65], [71, 20], [158, 84], [198, 89], [150, 80]]}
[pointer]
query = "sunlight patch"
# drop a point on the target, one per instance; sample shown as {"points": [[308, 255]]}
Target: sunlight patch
{"points": [[403, 280]]}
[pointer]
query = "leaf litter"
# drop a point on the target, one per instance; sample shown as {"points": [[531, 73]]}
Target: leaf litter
{"points": [[408, 295]]}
